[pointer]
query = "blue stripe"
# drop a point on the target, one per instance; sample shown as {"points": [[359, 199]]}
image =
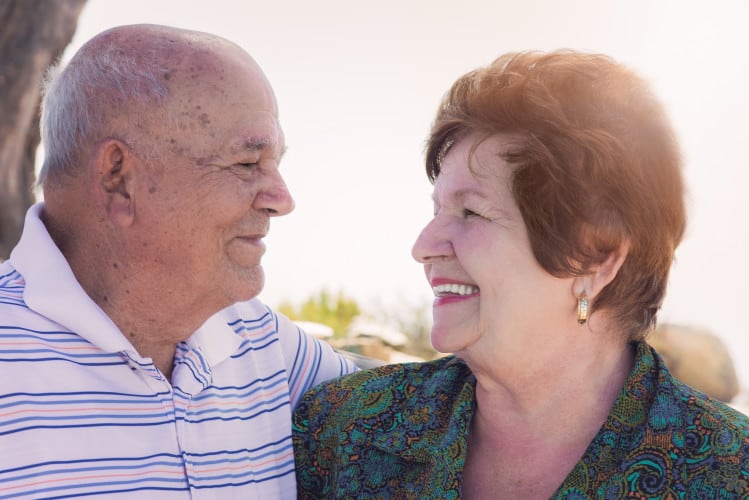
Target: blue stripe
{"points": [[250, 321], [33, 360], [92, 460], [80, 402], [145, 364], [85, 393], [143, 488], [239, 395], [196, 373], [23, 304], [256, 481], [239, 410], [104, 484], [259, 340], [114, 467], [42, 335], [248, 417], [258, 324], [286, 467], [115, 418], [301, 353], [242, 459], [256, 381], [71, 356], [315, 369], [240, 450], [251, 347], [11, 273], [118, 424], [13, 302]]}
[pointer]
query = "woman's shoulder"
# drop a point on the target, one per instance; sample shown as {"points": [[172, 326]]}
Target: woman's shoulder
{"points": [[399, 385], [698, 428], [392, 376], [675, 397]]}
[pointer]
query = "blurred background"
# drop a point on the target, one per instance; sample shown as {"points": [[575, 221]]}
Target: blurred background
{"points": [[358, 84]]}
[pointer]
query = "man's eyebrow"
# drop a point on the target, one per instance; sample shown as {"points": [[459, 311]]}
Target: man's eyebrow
{"points": [[261, 143], [256, 143], [252, 144]]}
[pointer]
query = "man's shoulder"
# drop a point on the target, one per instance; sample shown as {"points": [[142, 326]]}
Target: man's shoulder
{"points": [[14, 311]]}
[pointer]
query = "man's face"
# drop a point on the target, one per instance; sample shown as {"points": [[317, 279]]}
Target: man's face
{"points": [[209, 199]]}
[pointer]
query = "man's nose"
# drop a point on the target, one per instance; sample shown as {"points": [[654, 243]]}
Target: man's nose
{"points": [[274, 198]]}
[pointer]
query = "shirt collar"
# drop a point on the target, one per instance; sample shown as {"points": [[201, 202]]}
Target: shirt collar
{"points": [[215, 339], [453, 374], [53, 291]]}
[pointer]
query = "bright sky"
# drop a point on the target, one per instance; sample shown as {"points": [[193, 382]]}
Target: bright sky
{"points": [[358, 84]]}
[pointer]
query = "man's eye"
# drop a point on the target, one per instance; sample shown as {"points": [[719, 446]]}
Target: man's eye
{"points": [[469, 213], [247, 165]]}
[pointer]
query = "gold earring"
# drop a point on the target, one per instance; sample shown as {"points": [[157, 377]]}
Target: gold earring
{"points": [[582, 308]]}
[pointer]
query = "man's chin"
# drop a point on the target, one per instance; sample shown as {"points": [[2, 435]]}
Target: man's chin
{"points": [[250, 285]]}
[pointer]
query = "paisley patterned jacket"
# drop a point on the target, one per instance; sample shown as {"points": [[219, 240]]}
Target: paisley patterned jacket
{"points": [[400, 431]]}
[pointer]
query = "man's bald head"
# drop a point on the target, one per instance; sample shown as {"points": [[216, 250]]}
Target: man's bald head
{"points": [[131, 83], [162, 171]]}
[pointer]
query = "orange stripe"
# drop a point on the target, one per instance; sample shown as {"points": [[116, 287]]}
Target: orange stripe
{"points": [[80, 478], [49, 346], [241, 467], [144, 473], [141, 409]]}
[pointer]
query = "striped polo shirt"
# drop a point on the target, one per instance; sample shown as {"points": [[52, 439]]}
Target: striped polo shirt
{"points": [[82, 414]]}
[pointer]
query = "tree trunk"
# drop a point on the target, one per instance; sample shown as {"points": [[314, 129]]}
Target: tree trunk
{"points": [[33, 35]]}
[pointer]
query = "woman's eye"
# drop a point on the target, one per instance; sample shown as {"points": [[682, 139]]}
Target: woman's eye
{"points": [[469, 213]]}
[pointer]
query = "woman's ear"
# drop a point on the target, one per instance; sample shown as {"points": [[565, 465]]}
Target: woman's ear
{"points": [[602, 274], [114, 170]]}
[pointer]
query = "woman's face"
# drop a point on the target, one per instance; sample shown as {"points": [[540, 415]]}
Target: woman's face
{"points": [[491, 296]]}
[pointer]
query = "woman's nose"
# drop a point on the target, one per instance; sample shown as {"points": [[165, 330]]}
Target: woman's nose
{"points": [[432, 243]]}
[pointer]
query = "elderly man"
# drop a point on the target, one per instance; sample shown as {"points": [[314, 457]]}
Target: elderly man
{"points": [[133, 356]]}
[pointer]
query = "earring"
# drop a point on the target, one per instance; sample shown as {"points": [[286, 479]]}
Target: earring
{"points": [[582, 308]]}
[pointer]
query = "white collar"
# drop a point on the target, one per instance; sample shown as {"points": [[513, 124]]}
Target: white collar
{"points": [[53, 291]]}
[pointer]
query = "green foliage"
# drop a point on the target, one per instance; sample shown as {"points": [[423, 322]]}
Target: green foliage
{"points": [[335, 311]]}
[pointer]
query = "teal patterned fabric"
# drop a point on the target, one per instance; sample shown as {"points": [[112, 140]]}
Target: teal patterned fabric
{"points": [[399, 431]]}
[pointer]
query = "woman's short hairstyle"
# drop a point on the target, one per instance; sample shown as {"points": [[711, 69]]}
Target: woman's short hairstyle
{"points": [[597, 166]]}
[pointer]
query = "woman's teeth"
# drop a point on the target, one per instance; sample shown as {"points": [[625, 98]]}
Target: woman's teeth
{"points": [[454, 289]]}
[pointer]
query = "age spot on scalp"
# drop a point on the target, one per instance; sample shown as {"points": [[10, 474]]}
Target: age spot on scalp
{"points": [[204, 119]]}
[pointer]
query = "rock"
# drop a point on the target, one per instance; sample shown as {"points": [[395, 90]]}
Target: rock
{"points": [[698, 358]]}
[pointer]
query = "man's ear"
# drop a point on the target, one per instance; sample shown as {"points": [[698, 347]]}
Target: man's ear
{"points": [[601, 274], [114, 172]]}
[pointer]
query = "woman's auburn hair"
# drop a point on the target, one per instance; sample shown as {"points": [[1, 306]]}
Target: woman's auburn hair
{"points": [[596, 167]]}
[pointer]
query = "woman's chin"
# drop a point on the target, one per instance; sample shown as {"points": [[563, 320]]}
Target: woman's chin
{"points": [[446, 342]]}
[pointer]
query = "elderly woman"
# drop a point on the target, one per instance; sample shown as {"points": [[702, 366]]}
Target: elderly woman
{"points": [[558, 204]]}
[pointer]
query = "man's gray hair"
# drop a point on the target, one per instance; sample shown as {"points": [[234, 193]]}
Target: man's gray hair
{"points": [[85, 102]]}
